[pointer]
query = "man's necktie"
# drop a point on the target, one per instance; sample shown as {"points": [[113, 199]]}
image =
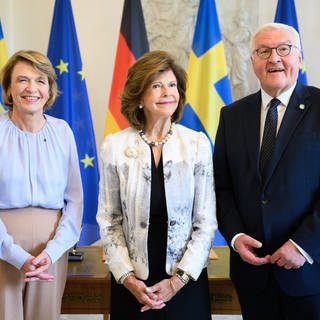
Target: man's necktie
{"points": [[269, 136]]}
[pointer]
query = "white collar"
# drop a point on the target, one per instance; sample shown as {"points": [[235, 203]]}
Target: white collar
{"points": [[284, 97]]}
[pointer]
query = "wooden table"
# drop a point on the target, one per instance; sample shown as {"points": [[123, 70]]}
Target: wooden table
{"points": [[88, 285], [223, 296]]}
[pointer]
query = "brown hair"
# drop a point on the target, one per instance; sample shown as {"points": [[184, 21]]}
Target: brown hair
{"points": [[40, 62], [140, 75]]}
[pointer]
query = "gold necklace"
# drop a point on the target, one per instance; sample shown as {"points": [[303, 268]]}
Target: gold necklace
{"points": [[156, 143]]}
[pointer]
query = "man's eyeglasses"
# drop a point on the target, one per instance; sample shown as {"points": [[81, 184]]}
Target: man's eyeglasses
{"points": [[282, 50]]}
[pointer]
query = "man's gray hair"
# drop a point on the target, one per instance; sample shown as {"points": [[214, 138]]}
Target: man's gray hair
{"points": [[276, 26]]}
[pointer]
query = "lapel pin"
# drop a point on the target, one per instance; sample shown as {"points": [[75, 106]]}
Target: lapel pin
{"points": [[301, 106]]}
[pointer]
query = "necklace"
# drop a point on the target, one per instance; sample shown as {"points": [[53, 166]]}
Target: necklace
{"points": [[156, 143]]}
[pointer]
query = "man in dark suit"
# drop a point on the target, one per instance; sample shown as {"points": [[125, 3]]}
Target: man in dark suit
{"points": [[267, 175]]}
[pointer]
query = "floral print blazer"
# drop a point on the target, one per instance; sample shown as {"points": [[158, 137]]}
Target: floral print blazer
{"points": [[124, 201]]}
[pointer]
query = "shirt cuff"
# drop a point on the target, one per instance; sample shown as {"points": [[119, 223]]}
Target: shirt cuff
{"points": [[17, 257], [234, 239], [304, 253]]}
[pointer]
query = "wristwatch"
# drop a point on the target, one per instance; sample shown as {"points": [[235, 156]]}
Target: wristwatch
{"points": [[183, 276]]}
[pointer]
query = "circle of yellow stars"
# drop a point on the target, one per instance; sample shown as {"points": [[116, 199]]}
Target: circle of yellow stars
{"points": [[63, 67]]}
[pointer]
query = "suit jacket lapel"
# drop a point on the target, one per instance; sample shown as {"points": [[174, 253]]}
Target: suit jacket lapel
{"points": [[293, 115], [251, 121]]}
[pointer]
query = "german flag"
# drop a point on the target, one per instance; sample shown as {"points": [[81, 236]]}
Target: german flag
{"points": [[132, 44]]}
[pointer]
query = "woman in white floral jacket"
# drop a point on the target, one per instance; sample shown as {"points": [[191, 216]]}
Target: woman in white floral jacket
{"points": [[157, 203]]}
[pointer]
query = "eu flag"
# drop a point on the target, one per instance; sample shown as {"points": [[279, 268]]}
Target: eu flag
{"points": [[73, 106], [132, 44], [208, 84], [286, 13], [3, 60]]}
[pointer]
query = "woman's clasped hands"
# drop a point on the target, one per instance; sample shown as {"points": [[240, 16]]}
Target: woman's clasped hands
{"points": [[153, 297], [34, 268]]}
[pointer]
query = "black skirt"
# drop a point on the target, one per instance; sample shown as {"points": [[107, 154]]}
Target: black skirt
{"points": [[192, 301]]}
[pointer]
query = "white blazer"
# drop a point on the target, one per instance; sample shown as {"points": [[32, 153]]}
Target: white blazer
{"points": [[124, 201]]}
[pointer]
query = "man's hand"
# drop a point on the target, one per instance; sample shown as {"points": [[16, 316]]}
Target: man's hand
{"points": [[246, 246], [288, 256]]}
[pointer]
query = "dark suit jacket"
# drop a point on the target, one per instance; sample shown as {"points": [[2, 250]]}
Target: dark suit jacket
{"points": [[287, 205]]}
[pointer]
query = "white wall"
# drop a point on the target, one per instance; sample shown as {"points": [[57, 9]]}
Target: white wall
{"points": [[27, 23]]}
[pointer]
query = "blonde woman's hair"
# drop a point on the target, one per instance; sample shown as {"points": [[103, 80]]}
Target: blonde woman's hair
{"points": [[40, 62]]}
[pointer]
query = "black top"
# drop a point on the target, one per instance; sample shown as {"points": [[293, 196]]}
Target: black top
{"points": [[157, 237], [192, 302]]}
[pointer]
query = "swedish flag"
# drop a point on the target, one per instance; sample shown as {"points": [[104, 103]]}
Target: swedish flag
{"points": [[286, 13], [208, 83], [3, 60]]}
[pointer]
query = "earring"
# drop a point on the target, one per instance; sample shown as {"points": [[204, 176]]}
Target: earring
{"points": [[140, 106]]}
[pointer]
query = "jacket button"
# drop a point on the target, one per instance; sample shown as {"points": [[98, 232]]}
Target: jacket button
{"points": [[264, 202], [143, 225]]}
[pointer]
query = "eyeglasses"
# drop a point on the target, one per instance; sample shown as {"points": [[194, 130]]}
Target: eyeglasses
{"points": [[282, 50]]}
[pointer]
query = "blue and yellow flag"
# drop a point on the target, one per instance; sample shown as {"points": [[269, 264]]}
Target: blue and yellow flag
{"points": [[73, 106], [286, 13], [3, 60], [208, 84]]}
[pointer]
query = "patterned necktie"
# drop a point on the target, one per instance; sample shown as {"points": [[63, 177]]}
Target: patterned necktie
{"points": [[269, 136]]}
